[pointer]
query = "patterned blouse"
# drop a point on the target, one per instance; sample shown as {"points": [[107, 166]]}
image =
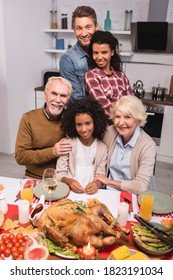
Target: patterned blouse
{"points": [[107, 88]]}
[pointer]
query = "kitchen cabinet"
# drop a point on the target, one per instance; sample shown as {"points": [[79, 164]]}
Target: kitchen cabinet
{"points": [[165, 151]]}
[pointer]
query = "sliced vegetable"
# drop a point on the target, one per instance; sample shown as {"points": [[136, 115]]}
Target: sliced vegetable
{"points": [[148, 240]]}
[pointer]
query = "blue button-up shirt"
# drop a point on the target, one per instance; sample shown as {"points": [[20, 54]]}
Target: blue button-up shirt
{"points": [[120, 159], [73, 66]]}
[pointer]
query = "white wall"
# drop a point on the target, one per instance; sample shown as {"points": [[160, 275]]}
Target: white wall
{"points": [[4, 123], [22, 62], [116, 8], [22, 56]]}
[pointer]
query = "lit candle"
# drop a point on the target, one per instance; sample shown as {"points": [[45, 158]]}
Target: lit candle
{"points": [[23, 211], [88, 252], [123, 210]]}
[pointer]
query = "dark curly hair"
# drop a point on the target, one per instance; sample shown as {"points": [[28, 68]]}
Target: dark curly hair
{"points": [[105, 37], [90, 106]]}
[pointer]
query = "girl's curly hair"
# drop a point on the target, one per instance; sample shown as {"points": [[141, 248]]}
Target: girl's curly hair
{"points": [[105, 37], [90, 106]]}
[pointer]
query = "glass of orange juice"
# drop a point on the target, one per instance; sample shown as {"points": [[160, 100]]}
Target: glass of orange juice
{"points": [[26, 188], [146, 206]]}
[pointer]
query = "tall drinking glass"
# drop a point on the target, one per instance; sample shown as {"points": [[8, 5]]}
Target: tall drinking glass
{"points": [[26, 188], [146, 206]]}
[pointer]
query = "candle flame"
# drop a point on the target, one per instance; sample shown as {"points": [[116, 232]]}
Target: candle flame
{"points": [[88, 246]]}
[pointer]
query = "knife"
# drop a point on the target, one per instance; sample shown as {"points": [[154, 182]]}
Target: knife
{"points": [[162, 235], [18, 196]]}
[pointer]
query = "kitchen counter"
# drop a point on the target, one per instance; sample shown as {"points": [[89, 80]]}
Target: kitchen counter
{"points": [[147, 98], [168, 101]]}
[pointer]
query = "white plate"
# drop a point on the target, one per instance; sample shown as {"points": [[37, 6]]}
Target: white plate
{"points": [[68, 257], [61, 191]]}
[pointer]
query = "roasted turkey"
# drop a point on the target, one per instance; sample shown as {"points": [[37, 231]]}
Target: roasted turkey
{"points": [[79, 223]]}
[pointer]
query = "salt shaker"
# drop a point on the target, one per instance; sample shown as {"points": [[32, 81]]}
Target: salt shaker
{"points": [[3, 204]]}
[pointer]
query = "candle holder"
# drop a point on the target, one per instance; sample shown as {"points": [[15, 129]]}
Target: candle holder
{"points": [[123, 211], [23, 211], [89, 252], [95, 257]]}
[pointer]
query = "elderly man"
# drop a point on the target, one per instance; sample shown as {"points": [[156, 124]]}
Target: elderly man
{"points": [[40, 137]]}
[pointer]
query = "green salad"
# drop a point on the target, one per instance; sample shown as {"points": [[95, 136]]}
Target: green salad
{"points": [[60, 250]]}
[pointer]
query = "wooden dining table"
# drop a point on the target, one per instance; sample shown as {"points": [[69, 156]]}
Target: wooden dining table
{"points": [[110, 198]]}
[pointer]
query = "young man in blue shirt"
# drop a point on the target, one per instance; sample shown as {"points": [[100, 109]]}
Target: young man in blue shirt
{"points": [[73, 64]]}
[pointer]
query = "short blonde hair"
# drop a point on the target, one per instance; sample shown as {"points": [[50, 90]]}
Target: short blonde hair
{"points": [[84, 11], [62, 80], [130, 105]]}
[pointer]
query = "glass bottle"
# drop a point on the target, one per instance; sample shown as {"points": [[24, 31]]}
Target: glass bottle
{"points": [[128, 20], [53, 19], [107, 22], [64, 21]]}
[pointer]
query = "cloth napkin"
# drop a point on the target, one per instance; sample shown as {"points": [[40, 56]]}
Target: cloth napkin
{"points": [[127, 197]]}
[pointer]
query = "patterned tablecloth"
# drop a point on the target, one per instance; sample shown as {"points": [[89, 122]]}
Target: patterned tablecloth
{"points": [[126, 240], [110, 198]]}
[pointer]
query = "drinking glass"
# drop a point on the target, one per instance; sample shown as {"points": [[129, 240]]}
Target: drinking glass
{"points": [[26, 188], [36, 247], [49, 180], [146, 206]]}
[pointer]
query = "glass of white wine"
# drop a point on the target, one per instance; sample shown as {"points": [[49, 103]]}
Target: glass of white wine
{"points": [[36, 247], [49, 181]]}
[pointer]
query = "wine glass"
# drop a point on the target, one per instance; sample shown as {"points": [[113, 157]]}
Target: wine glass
{"points": [[36, 247], [49, 180]]}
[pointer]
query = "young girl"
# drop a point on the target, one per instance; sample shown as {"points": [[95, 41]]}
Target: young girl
{"points": [[85, 123], [106, 81]]}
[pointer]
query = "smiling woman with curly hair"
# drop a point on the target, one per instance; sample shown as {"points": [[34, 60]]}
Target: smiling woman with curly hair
{"points": [[84, 123], [106, 80]]}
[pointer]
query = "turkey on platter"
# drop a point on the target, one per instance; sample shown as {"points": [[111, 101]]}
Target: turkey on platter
{"points": [[79, 223]]}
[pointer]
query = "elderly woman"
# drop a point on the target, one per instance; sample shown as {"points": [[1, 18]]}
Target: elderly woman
{"points": [[131, 152]]}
